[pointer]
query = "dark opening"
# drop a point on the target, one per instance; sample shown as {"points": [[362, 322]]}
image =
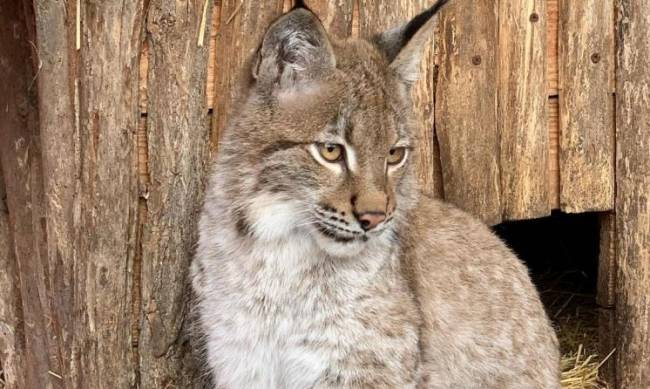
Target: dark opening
{"points": [[561, 252]]}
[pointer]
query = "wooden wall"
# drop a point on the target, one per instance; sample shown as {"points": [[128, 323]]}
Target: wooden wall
{"points": [[112, 113]]}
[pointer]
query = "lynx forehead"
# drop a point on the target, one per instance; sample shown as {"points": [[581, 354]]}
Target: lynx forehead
{"points": [[326, 130]]}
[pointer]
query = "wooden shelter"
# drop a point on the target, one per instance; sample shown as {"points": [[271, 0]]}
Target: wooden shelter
{"points": [[110, 112]]}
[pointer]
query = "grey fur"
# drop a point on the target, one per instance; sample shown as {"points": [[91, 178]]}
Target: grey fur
{"points": [[293, 293]]}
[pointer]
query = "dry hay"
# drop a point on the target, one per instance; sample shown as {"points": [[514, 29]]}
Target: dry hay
{"points": [[573, 309], [580, 371]]}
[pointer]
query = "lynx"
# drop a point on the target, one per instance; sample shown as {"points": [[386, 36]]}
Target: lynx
{"points": [[321, 265]]}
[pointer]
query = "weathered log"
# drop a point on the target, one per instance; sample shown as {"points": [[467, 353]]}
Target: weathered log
{"points": [[27, 338], [552, 16], [106, 197], [172, 171], [553, 158], [12, 344], [586, 53], [606, 294], [633, 194], [59, 134], [466, 108], [522, 91]]}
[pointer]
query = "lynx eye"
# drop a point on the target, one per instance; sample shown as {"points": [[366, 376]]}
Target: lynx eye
{"points": [[396, 155], [331, 152]]}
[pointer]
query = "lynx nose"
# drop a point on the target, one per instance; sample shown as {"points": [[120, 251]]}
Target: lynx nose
{"points": [[370, 220]]}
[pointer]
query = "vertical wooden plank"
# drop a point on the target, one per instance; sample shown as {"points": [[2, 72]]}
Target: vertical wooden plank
{"points": [[606, 293], [466, 108], [522, 104], [240, 28], [20, 158], [172, 170], [212, 56], [606, 296], [553, 148], [105, 206], [586, 66], [336, 16], [59, 135], [633, 194], [12, 347], [378, 16], [552, 16]]}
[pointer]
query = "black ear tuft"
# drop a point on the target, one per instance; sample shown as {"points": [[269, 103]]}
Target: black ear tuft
{"points": [[417, 22], [300, 4], [294, 49], [403, 45]]}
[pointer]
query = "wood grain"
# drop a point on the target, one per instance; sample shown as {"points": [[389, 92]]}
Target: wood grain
{"points": [[522, 92], [633, 194], [466, 108], [241, 26], [606, 296], [58, 108], [606, 293], [552, 16], [553, 157], [586, 34], [171, 185], [335, 15], [12, 345], [28, 337], [107, 193], [379, 16], [212, 56]]}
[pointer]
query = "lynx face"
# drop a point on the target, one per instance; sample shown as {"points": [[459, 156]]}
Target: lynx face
{"points": [[324, 142]]}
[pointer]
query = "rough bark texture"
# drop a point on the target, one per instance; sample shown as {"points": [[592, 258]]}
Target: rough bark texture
{"points": [[61, 166], [586, 65], [78, 251], [466, 108], [12, 347], [28, 344], [378, 16], [633, 194], [171, 185], [522, 103], [606, 296], [106, 198]]}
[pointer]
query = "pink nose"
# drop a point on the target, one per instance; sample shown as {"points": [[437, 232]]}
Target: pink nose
{"points": [[370, 220]]}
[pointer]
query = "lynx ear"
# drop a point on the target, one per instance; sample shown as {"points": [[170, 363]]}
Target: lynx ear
{"points": [[403, 45], [295, 50]]}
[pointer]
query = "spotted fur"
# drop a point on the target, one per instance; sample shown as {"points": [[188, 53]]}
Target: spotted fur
{"points": [[294, 291]]}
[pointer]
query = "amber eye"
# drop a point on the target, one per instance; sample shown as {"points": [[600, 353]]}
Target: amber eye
{"points": [[396, 155], [330, 152]]}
